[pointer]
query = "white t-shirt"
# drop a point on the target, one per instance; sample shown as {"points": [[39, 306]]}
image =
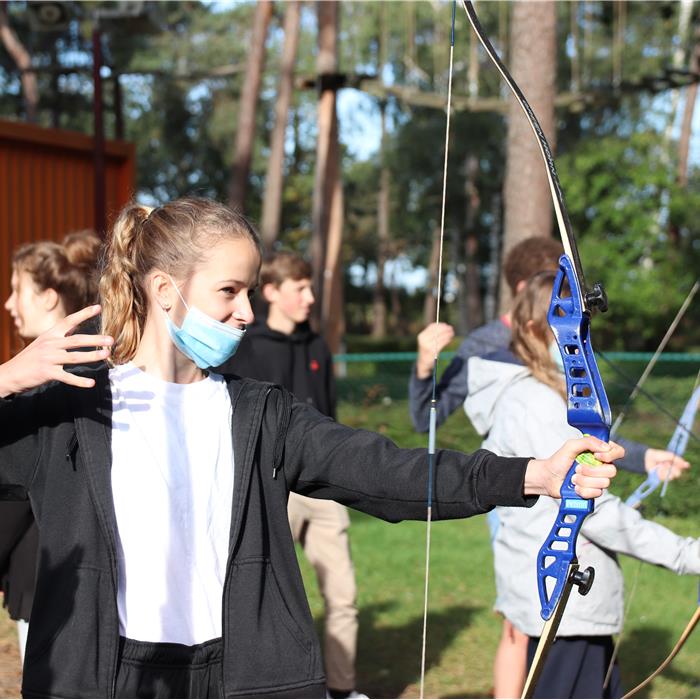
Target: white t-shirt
{"points": [[172, 484]]}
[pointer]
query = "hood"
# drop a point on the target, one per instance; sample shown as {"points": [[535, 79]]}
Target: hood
{"points": [[489, 378], [301, 333]]}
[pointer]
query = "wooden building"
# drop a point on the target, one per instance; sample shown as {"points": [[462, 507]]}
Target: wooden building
{"points": [[47, 190]]}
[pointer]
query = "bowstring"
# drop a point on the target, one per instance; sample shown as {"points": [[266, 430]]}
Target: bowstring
{"points": [[433, 400]]}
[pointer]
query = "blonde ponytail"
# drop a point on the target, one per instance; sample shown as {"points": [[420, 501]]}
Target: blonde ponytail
{"points": [[530, 330], [172, 238], [121, 293]]}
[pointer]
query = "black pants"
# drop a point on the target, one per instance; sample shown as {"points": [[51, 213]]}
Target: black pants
{"points": [[150, 670], [576, 668]]}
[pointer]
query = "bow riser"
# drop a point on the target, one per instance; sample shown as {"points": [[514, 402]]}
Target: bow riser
{"points": [[588, 408], [589, 411]]}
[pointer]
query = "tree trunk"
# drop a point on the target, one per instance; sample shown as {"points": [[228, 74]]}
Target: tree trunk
{"points": [[691, 93], [379, 303], [272, 201], [471, 248], [396, 320], [297, 151], [245, 134], [23, 61], [327, 207], [333, 318], [465, 251], [527, 201], [459, 268]]}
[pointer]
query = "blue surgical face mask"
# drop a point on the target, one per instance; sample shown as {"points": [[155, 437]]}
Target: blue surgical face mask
{"points": [[206, 341], [556, 356]]}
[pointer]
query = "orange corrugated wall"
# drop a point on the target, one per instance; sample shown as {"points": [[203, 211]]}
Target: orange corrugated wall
{"points": [[47, 191]]}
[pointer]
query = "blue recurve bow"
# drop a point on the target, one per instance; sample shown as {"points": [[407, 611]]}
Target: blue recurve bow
{"points": [[587, 404]]}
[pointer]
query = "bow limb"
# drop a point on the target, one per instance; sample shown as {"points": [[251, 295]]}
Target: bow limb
{"points": [[592, 298], [587, 404], [674, 652]]}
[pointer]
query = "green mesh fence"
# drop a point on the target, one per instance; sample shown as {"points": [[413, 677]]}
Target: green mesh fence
{"points": [[382, 377]]}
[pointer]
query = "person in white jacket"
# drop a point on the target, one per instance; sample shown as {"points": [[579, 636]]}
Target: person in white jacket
{"points": [[521, 409]]}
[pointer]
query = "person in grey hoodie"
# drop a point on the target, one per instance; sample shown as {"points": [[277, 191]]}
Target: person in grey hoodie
{"points": [[528, 257], [518, 404]]}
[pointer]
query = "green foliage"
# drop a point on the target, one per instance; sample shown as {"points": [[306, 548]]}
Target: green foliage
{"points": [[416, 158], [639, 232]]}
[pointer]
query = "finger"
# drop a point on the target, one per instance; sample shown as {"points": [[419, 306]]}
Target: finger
{"points": [[83, 340], [70, 322], [75, 380], [81, 358], [588, 443], [590, 482], [597, 478], [614, 453], [588, 493], [603, 471]]}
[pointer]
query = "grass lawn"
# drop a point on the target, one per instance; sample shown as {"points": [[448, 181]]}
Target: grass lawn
{"points": [[463, 631]]}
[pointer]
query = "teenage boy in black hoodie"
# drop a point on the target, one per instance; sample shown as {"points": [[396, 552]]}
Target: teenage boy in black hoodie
{"points": [[283, 349]]}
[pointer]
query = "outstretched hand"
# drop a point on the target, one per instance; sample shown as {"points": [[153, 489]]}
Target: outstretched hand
{"points": [[43, 359], [668, 465], [545, 476], [433, 338]]}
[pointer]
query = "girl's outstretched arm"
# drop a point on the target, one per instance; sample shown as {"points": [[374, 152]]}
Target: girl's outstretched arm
{"points": [[43, 359], [368, 472]]}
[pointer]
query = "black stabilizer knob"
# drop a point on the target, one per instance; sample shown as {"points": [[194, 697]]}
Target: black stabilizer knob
{"points": [[583, 579], [597, 298]]}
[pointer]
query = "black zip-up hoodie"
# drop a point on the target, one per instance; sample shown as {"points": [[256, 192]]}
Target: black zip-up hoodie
{"points": [[299, 361], [56, 442]]}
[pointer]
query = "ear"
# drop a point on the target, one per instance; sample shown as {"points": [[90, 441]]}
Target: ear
{"points": [[50, 299], [161, 289], [270, 293], [520, 286]]}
